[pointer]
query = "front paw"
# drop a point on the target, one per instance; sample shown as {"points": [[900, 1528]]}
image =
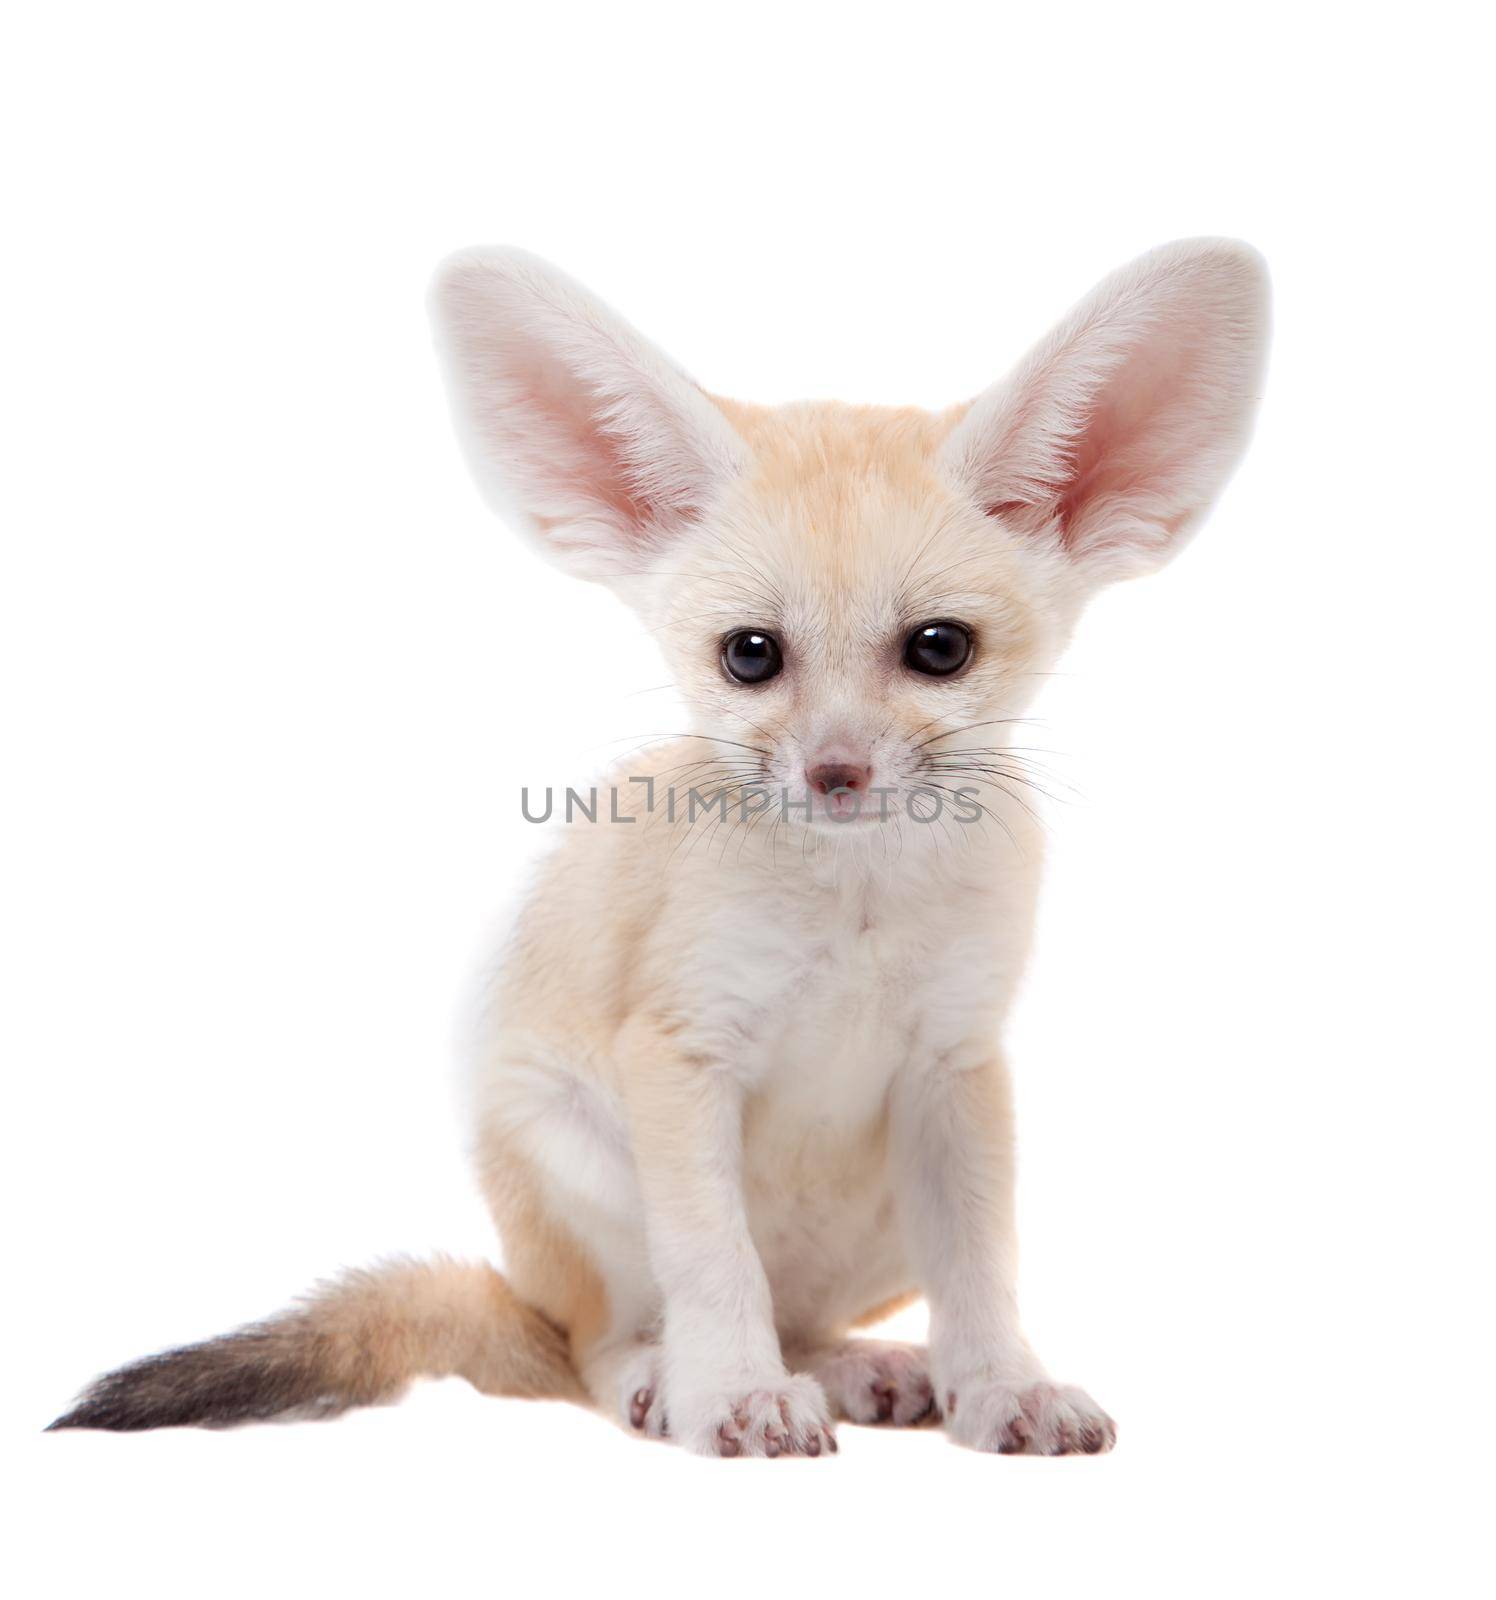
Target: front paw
{"points": [[1027, 1418], [779, 1416]]}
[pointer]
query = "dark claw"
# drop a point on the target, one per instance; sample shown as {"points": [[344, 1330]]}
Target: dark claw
{"points": [[727, 1445], [831, 1443]]}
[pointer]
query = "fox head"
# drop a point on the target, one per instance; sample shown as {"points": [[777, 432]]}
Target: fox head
{"points": [[858, 599]]}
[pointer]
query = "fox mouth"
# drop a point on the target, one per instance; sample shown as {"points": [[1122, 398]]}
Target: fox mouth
{"points": [[833, 821], [844, 804], [851, 808]]}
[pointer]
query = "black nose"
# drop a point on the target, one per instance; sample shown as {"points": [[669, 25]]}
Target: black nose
{"points": [[837, 775]]}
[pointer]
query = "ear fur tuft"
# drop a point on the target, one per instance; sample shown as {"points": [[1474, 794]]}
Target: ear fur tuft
{"points": [[1116, 433], [577, 428]]}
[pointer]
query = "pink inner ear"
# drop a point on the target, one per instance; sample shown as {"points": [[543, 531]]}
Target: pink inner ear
{"points": [[1120, 428], [576, 425], [560, 426], [1138, 446]]}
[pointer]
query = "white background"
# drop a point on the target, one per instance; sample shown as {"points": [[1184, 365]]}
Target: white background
{"points": [[273, 678]]}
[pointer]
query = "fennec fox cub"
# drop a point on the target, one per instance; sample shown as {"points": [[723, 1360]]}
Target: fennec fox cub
{"points": [[742, 1088]]}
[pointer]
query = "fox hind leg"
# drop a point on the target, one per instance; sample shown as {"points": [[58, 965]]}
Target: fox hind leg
{"points": [[873, 1380]]}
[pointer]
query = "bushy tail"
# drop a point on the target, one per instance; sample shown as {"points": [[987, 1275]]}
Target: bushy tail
{"points": [[354, 1342]]}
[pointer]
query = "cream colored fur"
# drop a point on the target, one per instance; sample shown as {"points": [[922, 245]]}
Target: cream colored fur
{"points": [[743, 1083]]}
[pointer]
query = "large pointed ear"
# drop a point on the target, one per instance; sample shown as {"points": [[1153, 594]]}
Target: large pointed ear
{"points": [[1115, 435], [577, 429]]}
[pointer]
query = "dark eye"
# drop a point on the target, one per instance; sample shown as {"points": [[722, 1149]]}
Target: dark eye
{"points": [[751, 657], [938, 649]]}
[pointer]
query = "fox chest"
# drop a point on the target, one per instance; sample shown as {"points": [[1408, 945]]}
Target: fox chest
{"points": [[833, 1036], [852, 1009], [821, 1196]]}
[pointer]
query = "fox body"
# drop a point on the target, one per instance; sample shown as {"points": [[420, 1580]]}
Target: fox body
{"points": [[739, 1084]]}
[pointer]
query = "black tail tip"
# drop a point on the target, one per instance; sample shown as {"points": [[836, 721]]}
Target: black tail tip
{"points": [[249, 1376], [85, 1415], [98, 1413]]}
